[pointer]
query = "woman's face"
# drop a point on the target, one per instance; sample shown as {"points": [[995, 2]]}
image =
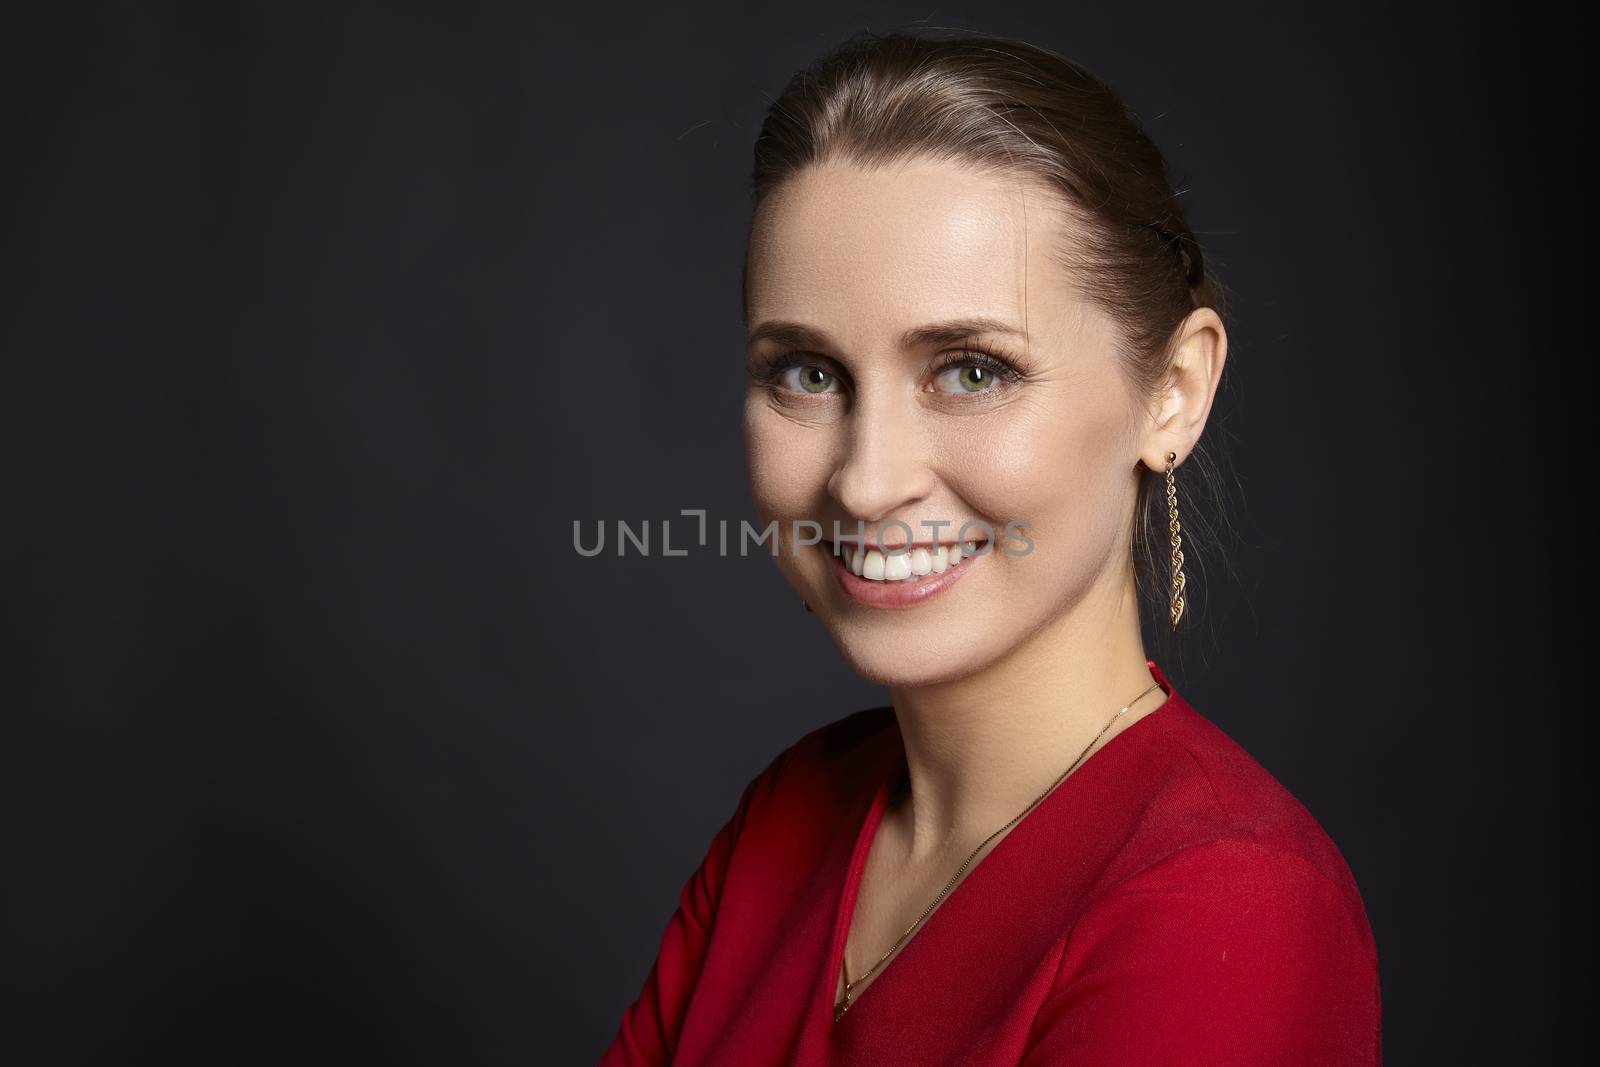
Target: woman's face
{"points": [[851, 416]]}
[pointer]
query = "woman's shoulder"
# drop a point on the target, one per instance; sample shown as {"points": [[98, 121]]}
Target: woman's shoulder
{"points": [[1212, 830], [845, 734], [832, 755], [1216, 793], [1215, 869], [829, 766]]}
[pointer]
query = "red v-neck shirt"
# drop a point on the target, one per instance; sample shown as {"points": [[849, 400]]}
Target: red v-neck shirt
{"points": [[1169, 902]]}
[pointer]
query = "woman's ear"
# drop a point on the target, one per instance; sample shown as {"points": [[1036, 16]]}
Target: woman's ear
{"points": [[1200, 346]]}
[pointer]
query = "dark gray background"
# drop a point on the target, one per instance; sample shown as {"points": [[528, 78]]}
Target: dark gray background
{"points": [[322, 324]]}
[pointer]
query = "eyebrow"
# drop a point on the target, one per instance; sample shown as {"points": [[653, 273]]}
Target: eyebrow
{"points": [[799, 335]]}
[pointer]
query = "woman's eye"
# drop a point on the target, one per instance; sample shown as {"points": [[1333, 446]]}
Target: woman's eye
{"points": [[965, 378], [809, 379]]}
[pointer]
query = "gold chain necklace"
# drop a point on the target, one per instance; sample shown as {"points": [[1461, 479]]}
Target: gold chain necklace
{"points": [[849, 987]]}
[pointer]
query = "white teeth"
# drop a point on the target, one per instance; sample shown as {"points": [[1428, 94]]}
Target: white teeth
{"points": [[878, 566]]}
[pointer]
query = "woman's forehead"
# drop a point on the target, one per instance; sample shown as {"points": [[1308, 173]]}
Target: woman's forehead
{"points": [[905, 244]]}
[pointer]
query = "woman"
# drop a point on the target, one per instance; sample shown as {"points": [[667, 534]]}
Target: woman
{"points": [[982, 342]]}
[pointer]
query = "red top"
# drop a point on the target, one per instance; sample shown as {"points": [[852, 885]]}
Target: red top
{"points": [[1169, 902]]}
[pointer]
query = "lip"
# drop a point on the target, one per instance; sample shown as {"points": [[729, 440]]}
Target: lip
{"points": [[901, 594]]}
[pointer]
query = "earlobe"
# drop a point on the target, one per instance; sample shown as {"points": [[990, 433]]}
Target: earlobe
{"points": [[1154, 459], [1168, 426]]}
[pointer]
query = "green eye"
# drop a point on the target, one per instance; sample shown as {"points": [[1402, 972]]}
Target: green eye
{"points": [[969, 378], [814, 379]]}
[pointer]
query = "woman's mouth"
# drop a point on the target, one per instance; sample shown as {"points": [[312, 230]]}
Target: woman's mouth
{"points": [[901, 579]]}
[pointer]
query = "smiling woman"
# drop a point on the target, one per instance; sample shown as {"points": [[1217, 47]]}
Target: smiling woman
{"points": [[982, 340]]}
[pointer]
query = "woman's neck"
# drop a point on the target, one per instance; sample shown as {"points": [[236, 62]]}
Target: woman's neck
{"points": [[982, 747]]}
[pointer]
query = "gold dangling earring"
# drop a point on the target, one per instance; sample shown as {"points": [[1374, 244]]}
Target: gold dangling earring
{"points": [[1178, 580]]}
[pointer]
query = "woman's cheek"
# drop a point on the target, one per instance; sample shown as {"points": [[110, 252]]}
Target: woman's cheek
{"points": [[1048, 469], [781, 457], [1013, 468]]}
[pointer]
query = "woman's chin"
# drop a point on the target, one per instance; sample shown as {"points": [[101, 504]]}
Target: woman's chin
{"points": [[906, 667]]}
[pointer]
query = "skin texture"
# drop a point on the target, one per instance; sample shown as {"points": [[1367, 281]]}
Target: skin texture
{"points": [[999, 682]]}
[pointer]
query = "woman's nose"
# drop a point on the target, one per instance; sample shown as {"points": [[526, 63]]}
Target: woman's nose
{"points": [[885, 464]]}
